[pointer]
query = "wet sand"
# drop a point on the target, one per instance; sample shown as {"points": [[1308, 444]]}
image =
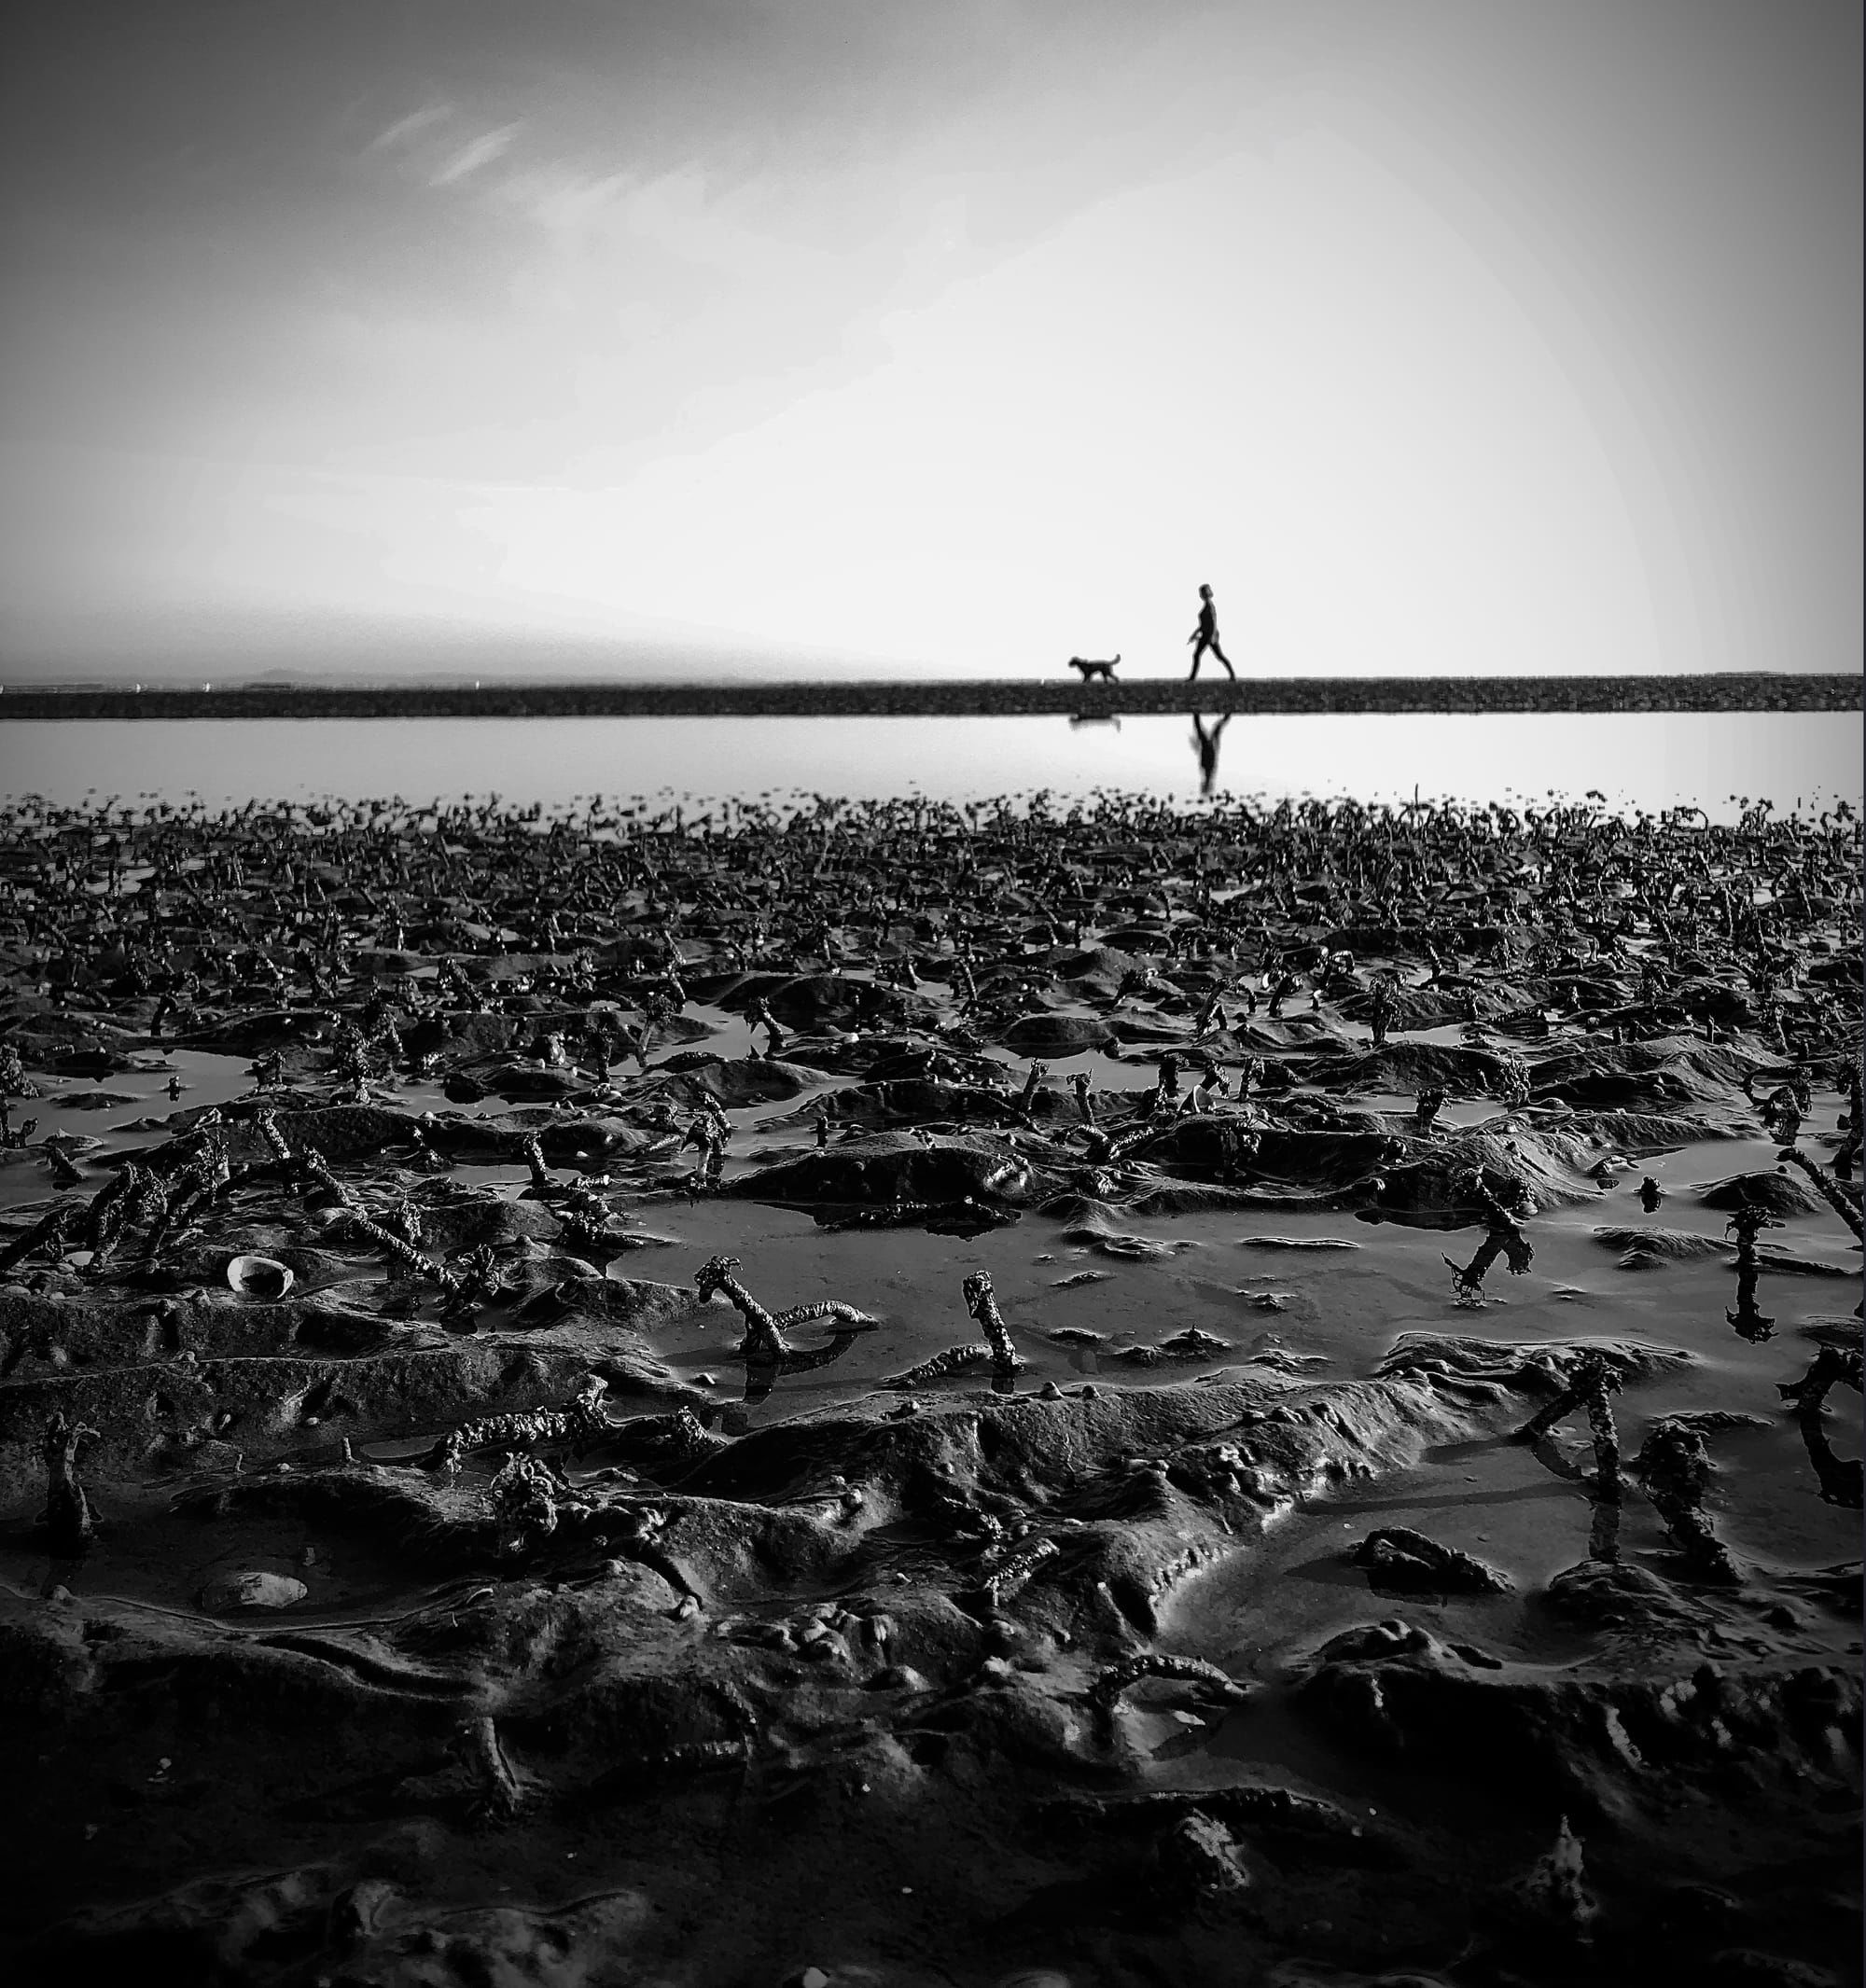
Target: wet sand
{"points": [[930, 1395]]}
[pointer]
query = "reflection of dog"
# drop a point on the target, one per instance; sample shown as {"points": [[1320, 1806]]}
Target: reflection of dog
{"points": [[1091, 670]]}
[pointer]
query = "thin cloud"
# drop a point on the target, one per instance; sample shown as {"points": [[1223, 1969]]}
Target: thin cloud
{"points": [[403, 129], [470, 158]]}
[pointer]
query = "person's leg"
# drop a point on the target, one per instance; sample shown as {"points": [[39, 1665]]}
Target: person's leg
{"points": [[1198, 654], [1226, 661]]}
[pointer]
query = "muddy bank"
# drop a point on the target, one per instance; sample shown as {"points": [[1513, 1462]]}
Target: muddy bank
{"points": [[902, 1394]]}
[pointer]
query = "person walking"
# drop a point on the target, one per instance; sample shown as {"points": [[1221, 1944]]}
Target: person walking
{"points": [[1205, 636]]}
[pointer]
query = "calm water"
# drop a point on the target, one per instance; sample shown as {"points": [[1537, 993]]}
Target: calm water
{"points": [[1639, 760]]}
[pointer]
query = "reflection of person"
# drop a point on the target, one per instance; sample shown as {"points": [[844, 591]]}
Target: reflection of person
{"points": [[1205, 636], [1206, 743]]}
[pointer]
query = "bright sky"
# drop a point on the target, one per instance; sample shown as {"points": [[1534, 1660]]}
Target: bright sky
{"points": [[1437, 335]]}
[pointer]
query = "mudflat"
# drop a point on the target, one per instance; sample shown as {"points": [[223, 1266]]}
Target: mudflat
{"points": [[903, 696], [892, 1394]]}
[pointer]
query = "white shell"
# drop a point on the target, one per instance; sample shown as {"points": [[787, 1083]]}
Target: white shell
{"points": [[251, 1587], [259, 1277]]}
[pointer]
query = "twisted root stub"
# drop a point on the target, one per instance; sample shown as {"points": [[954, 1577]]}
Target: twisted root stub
{"points": [[981, 1303], [996, 1346], [67, 1518], [764, 1342], [1590, 1379], [501, 1795], [1106, 1691], [763, 1339], [942, 1365], [1014, 1572], [1675, 1469], [1831, 1364]]}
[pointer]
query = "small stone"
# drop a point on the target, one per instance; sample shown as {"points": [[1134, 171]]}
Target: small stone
{"points": [[1049, 1392], [898, 1677]]}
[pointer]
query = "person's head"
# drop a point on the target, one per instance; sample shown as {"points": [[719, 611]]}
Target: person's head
{"points": [[1204, 593]]}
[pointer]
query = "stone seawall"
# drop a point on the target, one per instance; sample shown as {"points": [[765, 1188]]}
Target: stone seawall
{"points": [[979, 698]]}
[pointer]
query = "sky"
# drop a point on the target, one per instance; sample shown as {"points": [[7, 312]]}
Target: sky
{"points": [[549, 336]]}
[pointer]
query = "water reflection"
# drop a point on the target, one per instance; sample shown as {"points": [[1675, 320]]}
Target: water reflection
{"points": [[763, 1374], [1744, 1225], [1206, 743], [1841, 1480], [1643, 759]]}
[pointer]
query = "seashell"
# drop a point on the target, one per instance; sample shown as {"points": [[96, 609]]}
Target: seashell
{"points": [[251, 1587], [259, 1277]]}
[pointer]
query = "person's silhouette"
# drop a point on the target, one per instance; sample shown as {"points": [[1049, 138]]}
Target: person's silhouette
{"points": [[1206, 745], [1205, 636]]}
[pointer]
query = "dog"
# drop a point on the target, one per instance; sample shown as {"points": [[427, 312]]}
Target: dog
{"points": [[1091, 670]]}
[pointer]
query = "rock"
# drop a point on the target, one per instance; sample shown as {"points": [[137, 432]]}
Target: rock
{"points": [[1397, 1558], [251, 1589]]}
